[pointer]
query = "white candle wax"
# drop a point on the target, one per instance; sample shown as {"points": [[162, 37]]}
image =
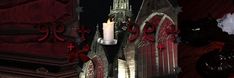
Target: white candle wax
{"points": [[108, 31]]}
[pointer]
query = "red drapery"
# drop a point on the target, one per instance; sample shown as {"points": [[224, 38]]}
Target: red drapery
{"points": [[195, 10]]}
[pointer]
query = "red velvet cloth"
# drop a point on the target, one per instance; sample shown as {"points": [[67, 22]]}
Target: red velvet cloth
{"points": [[188, 56], [195, 10], [46, 49], [24, 15], [39, 11]]}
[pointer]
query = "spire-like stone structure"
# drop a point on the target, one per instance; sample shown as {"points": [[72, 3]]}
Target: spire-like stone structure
{"points": [[121, 9]]}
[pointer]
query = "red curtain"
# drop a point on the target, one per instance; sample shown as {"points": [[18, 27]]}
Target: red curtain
{"points": [[195, 10]]}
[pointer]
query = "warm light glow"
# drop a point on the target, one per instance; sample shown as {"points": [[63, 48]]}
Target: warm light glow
{"points": [[108, 21]]}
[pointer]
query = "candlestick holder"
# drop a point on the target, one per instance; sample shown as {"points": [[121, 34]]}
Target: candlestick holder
{"points": [[105, 42], [108, 34]]}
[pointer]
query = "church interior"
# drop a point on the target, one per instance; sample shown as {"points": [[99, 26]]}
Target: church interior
{"points": [[116, 39]]}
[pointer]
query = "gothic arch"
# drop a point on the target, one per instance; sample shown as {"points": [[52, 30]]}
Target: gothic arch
{"points": [[156, 50]]}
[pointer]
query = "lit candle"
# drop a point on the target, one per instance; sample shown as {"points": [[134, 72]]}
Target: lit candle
{"points": [[108, 31]]}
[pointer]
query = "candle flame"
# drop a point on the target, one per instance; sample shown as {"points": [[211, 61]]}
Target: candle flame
{"points": [[108, 21]]}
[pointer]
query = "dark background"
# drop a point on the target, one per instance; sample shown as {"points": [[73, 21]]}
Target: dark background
{"points": [[96, 11]]}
